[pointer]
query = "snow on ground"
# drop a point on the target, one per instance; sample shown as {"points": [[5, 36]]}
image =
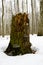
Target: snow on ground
{"points": [[37, 42], [27, 59], [4, 42]]}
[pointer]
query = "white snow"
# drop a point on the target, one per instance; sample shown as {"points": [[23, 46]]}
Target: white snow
{"points": [[4, 42], [37, 43], [27, 59]]}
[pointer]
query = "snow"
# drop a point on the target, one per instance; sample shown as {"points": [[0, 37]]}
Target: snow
{"points": [[4, 42], [27, 59], [37, 42]]}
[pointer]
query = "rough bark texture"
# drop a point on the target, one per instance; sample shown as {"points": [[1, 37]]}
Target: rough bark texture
{"points": [[19, 37]]}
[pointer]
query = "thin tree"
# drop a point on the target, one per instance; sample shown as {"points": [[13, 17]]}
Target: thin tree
{"points": [[33, 5], [25, 6], [2, 18], [16, 6], [41, 18]]}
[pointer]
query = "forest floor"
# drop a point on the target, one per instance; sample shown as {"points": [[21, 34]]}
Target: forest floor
{"points": [[27, 59]]}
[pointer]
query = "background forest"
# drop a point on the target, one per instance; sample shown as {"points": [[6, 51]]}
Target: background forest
{"points": [[12, 7]]}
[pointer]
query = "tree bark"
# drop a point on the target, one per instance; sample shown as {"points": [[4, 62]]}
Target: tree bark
{"points": [[34, 27], [24, 6], [2, 18], [41, 19], [16, 6]]}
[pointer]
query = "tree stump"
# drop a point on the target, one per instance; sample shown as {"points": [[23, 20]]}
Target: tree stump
{"points": [[19, 37]]}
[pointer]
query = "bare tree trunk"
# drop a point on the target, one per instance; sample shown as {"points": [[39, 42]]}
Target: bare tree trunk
{"points": [[41, 19], [20, 6], [24, 6], [11, 17], [33, 4], [27, 5], [16, 6], [2, 18]]}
